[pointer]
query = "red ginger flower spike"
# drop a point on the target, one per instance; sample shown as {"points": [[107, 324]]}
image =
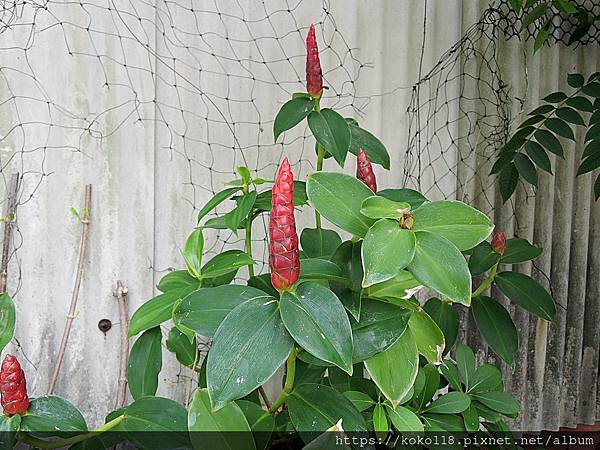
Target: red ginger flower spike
{"points": [[284, 257], [13, 387], [364, 170], [314, 74], [499, 242]]}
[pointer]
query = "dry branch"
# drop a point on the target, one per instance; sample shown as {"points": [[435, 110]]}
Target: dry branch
{"points": [[9, 215], [121, 295]]}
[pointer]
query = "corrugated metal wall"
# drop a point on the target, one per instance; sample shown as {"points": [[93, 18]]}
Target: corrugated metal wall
{"points": [[157, 113]]}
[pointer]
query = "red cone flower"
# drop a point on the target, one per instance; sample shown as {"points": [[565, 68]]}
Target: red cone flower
{"points": [[499, 242], [364, 170], [13, 387], [284, 257], [314, 75]]}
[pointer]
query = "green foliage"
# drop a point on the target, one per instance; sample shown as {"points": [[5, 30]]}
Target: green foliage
{"points": [[7, 320]]}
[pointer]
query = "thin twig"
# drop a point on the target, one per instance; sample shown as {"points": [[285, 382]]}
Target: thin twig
{"points": [[9, 215], [121, 295], [85, 220]]}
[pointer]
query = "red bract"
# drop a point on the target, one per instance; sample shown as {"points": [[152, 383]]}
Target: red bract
{"points": [[499, 242], [314, 75], [284, 257], [13, 387], [364, 170]]}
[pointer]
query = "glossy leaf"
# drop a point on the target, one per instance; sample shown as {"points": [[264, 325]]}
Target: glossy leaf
{"points": [[439, 265], [549, 142], [538, 155], [216, 200], [570, 115], [373, 147], [319, 242], [204, 309], [496, 327], [428, 336], [404, 420], [233, 219], [560, 127], [9, 426], [348, 257], [443, 423], [446, 318], [450, 372], [225, 262], [465, 363], [7, 320], [261, 422], [338, 197], [499, 401], [377, 207], [575, 80], [332, 132], [485, 378], [263, 283], [179, 344], [53, 415], [526, 168], [398, 287], [145, 363], [380, 422], [192, 252], [524, 291], [360, 400], [176, 280], [449, 403], [482, 259], [394, 370], [580, 103], [410, 196], [321, 269], [471, 418], [386, 250], [317, 321], [248, 347], [519, 250], [291, 114], [430, 384]]}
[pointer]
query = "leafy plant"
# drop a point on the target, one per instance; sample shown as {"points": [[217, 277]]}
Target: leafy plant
{"points": [[362, 355]]}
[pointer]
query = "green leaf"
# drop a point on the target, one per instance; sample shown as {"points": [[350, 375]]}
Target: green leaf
{"points": [[565, 6], [332, 132], [410, 196], [593, 148], [7, 320], [559, 127], [593, 133], [519, 250], [465, 362], [338, 197], [443, 423], [496, 327], [580, 103], [377, 207], [516, 5], [381, 325], [380, 422], [549, 142], [245, 203], [261, 422], [224, 263], [592, 89], [592, 162], [534, 15], [216, 200], [555, 97], [9, 426], [404, 420], [486, 378], [526, 168], [314, 408], [317, 320], [176, 280], [291, 114], [499, 401], [450, 403], [264, 199], [543, 109], [430, 384], [440, 266], [54, 415], [396, 288], [184, 350], [507, 181], [373, 147], [505, 158], [570, 115], [461, 224], [542, 35], [204, 309], [248, 348], [428, 336], [446, 318], [538, 155], [225, 429], [394, 370], [450, 372], [321, 269], [386, 250], [532, 121], [482, 259], [192, 252], [360, 400], [145, 363], [348, 258], [319, 242], [471, 419], [527, 293]]}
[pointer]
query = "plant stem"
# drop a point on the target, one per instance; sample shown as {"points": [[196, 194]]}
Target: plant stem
{"points": [[248, 243], [289, 382], [265, 397], [121, 295], [72, 440], [320, 159], [487, 282]]}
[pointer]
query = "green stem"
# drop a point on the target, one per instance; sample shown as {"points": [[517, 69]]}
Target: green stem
{"points": [[72, 440], [248, 243], [487, 282], [290, 374], [320, 159]]}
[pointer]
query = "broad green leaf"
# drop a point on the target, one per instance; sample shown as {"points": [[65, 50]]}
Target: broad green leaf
{"points": [[539, 156], [338, 197], [560, 127], [499, 401], [516, 4], [386, 250], [496, 327], [192, 252], [332, 132], [549, 142], [348, 258], [373, 147], [570, 115], [428, 336], [482, 259], [471, 419], [542, 109], [439, 265], [216, 200], [380, 422], [524, 291], [224, 263], [204, 309], [519, 250], [575, 80], [580, 103], [7, 320], [526, 168], [360, 400], [449, 403], [377, 207], [245, 203], [507, 181], [321, 269], [443, 423], [446, 318], [450, 372], [9, 426], [542, 36], [404, 420], [248, 348], [592, 89], [328, 439], [461, 224], [225, 429], [555, 97], [314, 408], [176, 280], [185, 351], [593, 133], [53, 415], [592, 162], [308, 373], [395, 288], [410, 196], [263, 282], [465, 362], [593, 148], [319, 242], [264, 199], [486, 378], [394, 370], [430, 384], [145, 363], [261, 422], [381, 325], [219, 223], [317, 321], [291, 114]]}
